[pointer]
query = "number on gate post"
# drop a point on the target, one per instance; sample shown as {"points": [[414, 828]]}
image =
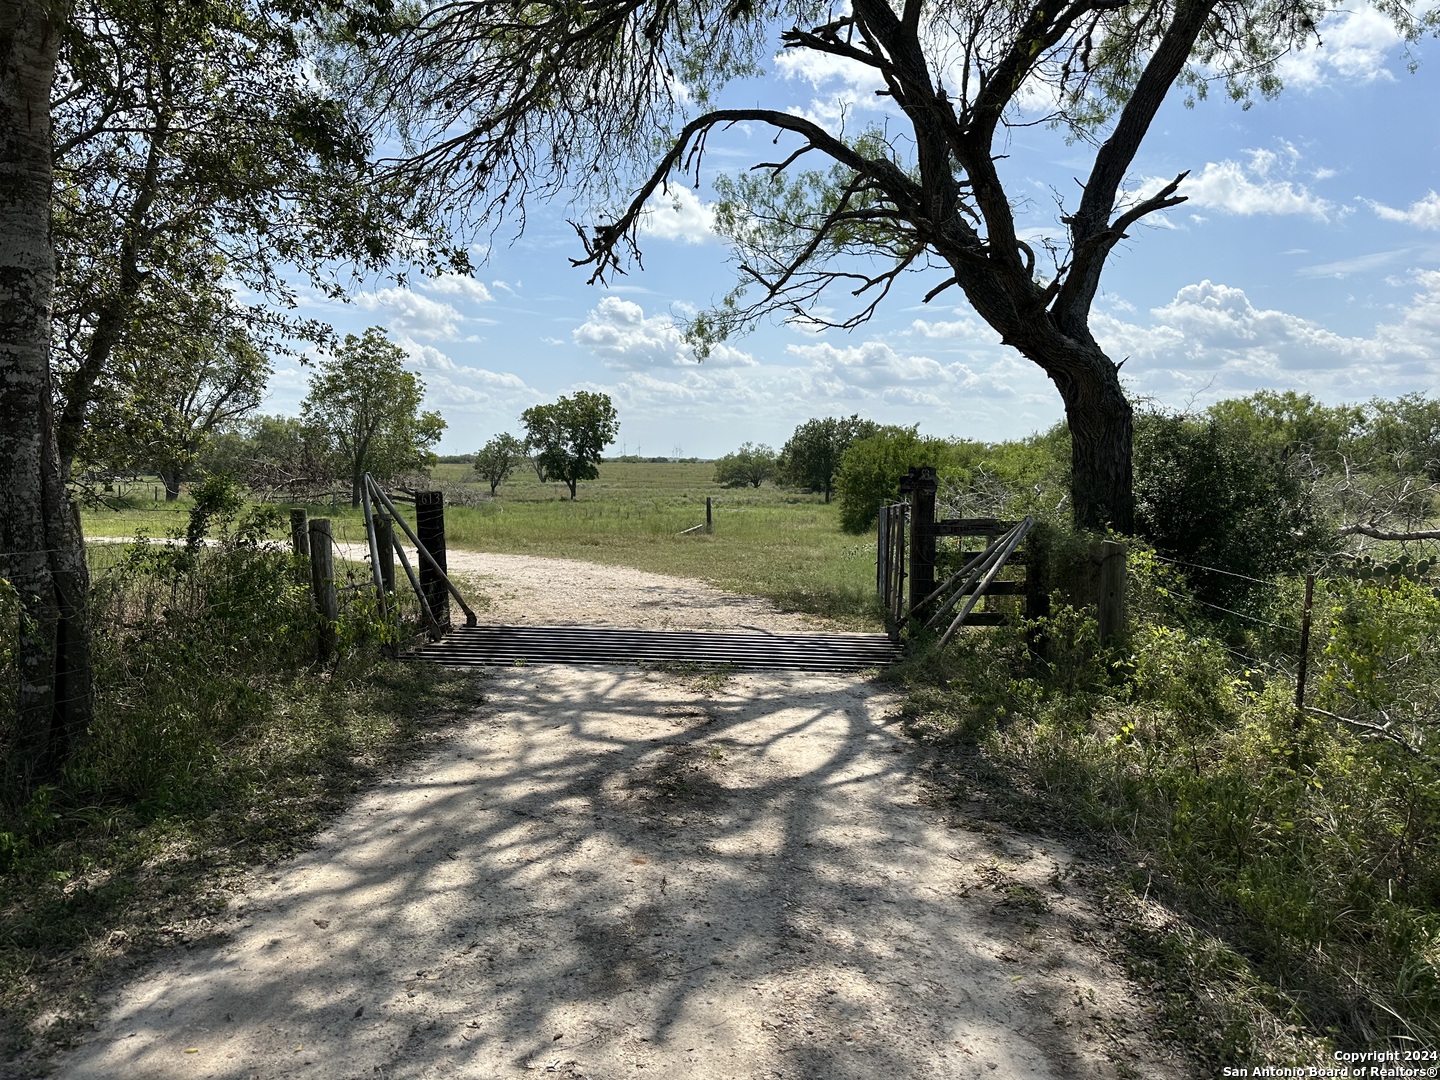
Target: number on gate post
{"points": [[430, 529]]}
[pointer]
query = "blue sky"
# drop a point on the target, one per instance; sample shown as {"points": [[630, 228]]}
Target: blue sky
{"points": [[1307, 258]]}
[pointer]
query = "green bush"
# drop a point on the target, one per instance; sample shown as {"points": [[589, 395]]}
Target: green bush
{"points": [[871, 469], [1223, 496], [1300, 859]]}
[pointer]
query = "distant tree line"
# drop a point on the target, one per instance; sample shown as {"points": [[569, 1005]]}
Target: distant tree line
{"points": [[1255, 486]]}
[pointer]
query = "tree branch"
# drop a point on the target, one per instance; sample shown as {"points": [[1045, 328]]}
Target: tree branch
{"points": [[1372, 531], [685, 155], [1072, 306]]}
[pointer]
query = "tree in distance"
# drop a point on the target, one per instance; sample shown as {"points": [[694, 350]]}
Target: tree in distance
{"points": [[165, 397], [579, 98], [750, 464], [275, 457], [366, 407], [498, 458], [811, 457], [568, 436]]}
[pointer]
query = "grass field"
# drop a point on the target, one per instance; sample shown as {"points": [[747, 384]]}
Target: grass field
{"points": [[770, 542]]}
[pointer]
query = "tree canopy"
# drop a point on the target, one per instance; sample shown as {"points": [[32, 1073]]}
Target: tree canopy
{"points": [[366, 407], [498, 458], [568, 436], [501, 103], [811, 456], [166, 393], [196, 148], [750, 464]]}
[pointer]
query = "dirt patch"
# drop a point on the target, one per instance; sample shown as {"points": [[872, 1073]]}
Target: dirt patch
{"points": [[517, 590], [620, 873]]}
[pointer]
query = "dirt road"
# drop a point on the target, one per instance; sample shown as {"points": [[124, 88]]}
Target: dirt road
{"points": [[620, 873]]}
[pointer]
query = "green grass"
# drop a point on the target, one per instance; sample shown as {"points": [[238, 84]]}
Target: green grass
{"points": [[106, 881], [772, 542]]}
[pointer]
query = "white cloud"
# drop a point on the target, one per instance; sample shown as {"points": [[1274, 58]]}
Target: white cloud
{"points": [[460, 287], [1355, 47], [1357, 264], [967, 329], [842, 86], [411, 313], [678, 214], [871, 364], [1213, 333], [430, 359], [1422, 214], [619, 332], [1258, 186]]}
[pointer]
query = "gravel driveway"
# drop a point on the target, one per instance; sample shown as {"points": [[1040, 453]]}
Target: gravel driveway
{"points": [[625, 873]]}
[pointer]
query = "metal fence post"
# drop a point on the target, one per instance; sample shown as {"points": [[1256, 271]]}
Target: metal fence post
{"points": [[430, 530]]}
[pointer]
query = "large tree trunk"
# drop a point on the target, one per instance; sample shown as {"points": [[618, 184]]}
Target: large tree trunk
{"points": [[42, 553], [171, 479], [1101, 424]]}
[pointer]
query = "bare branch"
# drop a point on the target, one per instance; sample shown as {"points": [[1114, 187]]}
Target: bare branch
{"points": [[1383, 731], [604, 240], [1363, 529]]}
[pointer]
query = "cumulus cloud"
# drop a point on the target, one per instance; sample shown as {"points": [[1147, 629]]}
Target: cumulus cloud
{"points": [[1260, 185], [1213, 332], [1422, 214], [409, 312], [460, 287], [619, 332], [876, 371], [871, 364], [679, 214], [842, 87], [430, 359], [1355, 47]]}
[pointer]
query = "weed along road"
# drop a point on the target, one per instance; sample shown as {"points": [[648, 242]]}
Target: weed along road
{"points": [[618, 872]]}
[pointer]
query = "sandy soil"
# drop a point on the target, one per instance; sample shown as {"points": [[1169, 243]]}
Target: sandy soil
{"points": [[621, 873]]}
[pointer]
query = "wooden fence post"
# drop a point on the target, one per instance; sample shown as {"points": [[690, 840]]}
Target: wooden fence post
{"points": [[708, 524], [430, 530], [299, 529], [1111, 599], [1037, 588], [385, 542], [322, 581], [922, 485]]}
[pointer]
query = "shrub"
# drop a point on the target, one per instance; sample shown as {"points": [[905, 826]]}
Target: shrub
{"points": [[1223, 496], [871, 468]]}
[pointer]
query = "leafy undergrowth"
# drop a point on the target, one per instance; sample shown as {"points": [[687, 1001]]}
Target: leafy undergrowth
{"points": [[218, 745], [1278, 878]]}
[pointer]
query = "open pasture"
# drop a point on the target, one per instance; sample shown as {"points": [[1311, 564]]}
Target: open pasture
{"points": [[772, 542]]}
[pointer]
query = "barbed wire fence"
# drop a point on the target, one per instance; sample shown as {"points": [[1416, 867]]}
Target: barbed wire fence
{"points": [[141, 586]]}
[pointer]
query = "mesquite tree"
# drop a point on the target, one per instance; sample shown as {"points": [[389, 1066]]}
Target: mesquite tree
{"points": [[365, 407], [507, 100]]}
